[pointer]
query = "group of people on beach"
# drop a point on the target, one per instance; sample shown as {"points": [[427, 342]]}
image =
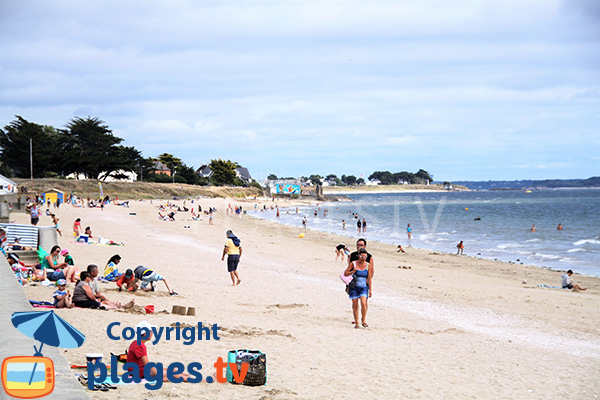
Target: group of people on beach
{"points": [[86, 292]]}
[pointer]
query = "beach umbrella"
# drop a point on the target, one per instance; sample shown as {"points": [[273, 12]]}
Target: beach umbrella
{"points": [[48, 328]]}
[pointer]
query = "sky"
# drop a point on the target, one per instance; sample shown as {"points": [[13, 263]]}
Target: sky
{"points": [[466, 90]]}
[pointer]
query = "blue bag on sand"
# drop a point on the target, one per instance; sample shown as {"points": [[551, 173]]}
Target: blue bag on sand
{"points": [[257, 370]]}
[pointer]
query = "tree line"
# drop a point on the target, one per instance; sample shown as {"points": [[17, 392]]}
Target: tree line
{"points": [[87, 147], [385, 178]]}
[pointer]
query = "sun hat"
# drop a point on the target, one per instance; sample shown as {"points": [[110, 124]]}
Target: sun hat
{"points": [[145, 324], [64, 251], [61, 282]]}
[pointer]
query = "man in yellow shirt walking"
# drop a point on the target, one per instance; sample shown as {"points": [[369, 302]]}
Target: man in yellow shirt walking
{"points": [[233, 249]]}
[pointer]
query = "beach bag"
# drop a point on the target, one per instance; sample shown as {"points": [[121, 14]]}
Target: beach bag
{"points": [[257, 370], [347, 279]]}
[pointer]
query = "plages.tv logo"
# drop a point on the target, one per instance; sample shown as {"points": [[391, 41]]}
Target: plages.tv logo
{"points": [[30, 377]]}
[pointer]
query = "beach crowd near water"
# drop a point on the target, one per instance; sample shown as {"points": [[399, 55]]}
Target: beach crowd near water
{"points": [[466, 326]]}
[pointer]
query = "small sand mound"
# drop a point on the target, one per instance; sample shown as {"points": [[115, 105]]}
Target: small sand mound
{"points": [[293, 305]]}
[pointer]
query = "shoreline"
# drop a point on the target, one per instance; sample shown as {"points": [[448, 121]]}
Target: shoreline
{"points": [[409, 246], [467, 327]]}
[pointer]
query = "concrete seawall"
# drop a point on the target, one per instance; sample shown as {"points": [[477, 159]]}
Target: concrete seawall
{"points": [[14, 343]]}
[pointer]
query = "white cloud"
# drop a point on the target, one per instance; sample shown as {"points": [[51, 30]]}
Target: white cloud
{"points": [[318, 87]]}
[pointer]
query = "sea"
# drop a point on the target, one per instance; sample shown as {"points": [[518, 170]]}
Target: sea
{"points": [[492, 224]]}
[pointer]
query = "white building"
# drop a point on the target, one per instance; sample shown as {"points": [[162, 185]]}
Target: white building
{"points": [[7, 186]]}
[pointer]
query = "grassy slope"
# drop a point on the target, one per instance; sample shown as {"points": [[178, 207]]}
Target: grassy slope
{"points": [[134, 190]]}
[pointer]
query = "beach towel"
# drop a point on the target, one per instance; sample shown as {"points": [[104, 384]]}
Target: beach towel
{"points": [[41, 304], [551, 287]]}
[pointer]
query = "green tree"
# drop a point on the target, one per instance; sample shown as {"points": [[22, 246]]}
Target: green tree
{"points": [[223, 172], [14, 143], [88, 146], [385, 177], [349, 179], [360, 181], [315, 179], [272, 177], [170, 161], [122, 158], [424, 176], [188, 173]]}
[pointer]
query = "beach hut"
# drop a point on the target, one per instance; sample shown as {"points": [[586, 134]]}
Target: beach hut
{"points": [[7, 186], [53, 195]]}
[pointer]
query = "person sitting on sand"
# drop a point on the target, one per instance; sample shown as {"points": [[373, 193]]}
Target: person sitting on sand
{"points": [[400, 249], [19, 266], [233, 249], [341, 250], [460, 247], [88, 232], [16, 245], [36, 271], [92, 269], [68, 259], [128, 280], [61, 270], [111, 273], [148, 276], [567, 284], [62, 297], [83, 296], [363, 288], [138, 353]]}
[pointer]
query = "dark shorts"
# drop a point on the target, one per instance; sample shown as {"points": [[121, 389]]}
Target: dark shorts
{"points": [[232, 262], [569, 286], [340, 247], [56, 275], [34, 220], [87, 304], [356, 292]]}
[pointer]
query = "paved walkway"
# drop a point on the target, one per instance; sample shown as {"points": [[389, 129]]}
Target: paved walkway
{"points": [[14, 343]]}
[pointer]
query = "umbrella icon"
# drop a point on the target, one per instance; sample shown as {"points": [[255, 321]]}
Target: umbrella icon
{"points": [[48, 328]]}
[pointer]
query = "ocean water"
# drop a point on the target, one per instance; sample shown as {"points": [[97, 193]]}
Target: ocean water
{"points": [[440, 220]]}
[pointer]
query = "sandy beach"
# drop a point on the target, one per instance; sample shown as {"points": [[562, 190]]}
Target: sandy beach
{"points": [[440, 325]]}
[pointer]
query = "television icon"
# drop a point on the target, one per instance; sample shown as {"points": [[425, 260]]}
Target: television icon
{"points": [[28, 377]]}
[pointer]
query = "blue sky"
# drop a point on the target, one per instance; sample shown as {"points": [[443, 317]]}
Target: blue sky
{"points": [[467, 90]]}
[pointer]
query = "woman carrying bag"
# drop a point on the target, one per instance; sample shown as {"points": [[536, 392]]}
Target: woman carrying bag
{"points": [[362, 287]]}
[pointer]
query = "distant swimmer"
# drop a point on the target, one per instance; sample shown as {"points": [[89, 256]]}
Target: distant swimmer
{"points": [[477, 219], [344, 224], [560, 227], [409, 231], [400, 249], [364, 225], [359, 225], [460, 247], [533, 228]]}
